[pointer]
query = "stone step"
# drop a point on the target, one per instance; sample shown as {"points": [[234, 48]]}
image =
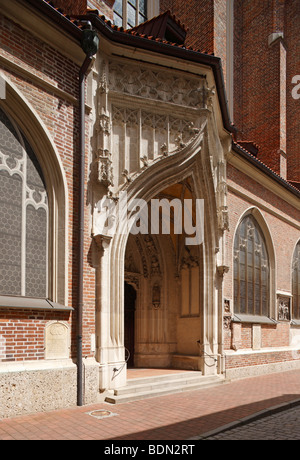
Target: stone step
{"points": [[181, 376], [151, 391], [156, 383]]}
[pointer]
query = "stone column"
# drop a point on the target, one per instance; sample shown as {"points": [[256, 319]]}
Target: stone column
{"points": [[109, 345]]}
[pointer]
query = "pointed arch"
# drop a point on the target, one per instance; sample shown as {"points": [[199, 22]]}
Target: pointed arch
{"points": [[254, 266], [36, 134]]}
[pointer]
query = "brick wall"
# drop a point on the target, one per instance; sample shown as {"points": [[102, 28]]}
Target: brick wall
{"points": [[259, 359], [256, 79], [264, 111], [61, 120], [22, 333], [282, 220], [79, 7], [71, 6], [271, 336], [198, 17], [292, 27]]}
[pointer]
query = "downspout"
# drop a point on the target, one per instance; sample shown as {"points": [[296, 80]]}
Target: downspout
{"points": [[90, 45]]}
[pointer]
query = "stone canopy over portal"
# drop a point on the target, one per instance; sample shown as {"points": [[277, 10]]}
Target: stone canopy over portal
{"points": [[156, 138]]}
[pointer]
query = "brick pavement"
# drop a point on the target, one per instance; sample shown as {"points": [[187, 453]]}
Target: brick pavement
{"points": [[174, 417]]}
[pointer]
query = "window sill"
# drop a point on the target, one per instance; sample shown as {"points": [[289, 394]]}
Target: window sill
{"points": [[253, 319], [31, 304]]}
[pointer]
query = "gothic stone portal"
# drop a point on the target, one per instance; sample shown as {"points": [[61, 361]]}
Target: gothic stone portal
{"points": [[167, 277]]}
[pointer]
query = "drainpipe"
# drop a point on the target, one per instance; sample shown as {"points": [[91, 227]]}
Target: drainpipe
{"points": [[90, 45]]}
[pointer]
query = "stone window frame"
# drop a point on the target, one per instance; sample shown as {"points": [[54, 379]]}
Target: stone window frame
{"points": [[17, 108], [270, 315]]}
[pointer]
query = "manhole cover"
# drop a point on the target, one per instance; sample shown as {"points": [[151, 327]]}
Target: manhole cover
{"points": [[101, 414]]}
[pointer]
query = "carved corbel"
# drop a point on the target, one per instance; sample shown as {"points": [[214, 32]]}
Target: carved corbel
{"points": [[222, 269], [102, 242]]}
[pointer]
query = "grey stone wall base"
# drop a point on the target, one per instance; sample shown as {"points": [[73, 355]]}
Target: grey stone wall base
{"points": [[27, 388], [255, 371]]}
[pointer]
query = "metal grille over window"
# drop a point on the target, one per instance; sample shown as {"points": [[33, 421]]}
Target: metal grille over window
{"points": [[251, 270], [23, 216], [296, 283], [130, 13]]}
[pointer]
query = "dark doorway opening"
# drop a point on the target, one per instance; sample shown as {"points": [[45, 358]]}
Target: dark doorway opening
{"points": [[130, 306]]}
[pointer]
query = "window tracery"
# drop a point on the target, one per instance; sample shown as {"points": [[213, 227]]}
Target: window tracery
{"points": [[251, 270], [24, 216]]}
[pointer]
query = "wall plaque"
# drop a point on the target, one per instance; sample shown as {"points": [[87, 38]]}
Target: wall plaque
{"points": [[57, 342]]}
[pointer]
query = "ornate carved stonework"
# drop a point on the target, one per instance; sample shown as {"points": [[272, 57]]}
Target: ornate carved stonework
{"points": [[144, 261], [189, 262], [102, 170], [284, 308], [133, 279], [227, 316], [139, 137], [156, 296], [227, 322], [155, 268], [160, 86]]}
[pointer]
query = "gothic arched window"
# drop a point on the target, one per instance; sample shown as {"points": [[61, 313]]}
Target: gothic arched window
{"points": [[251, 270], [296, 283], [130, 13], [24, 216]]}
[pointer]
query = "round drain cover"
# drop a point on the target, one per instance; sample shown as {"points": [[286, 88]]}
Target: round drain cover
{"points": [[100, 413]]}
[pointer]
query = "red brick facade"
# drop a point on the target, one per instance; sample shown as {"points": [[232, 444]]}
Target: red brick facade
{"points": [[264, 113], [265, 64], [23, 334], [196, 15]]}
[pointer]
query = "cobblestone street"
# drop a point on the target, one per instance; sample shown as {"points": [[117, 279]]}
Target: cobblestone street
{"points": [[282, 426]]}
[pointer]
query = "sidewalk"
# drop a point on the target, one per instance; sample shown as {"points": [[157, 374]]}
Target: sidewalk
{"points": [[176, 417]]}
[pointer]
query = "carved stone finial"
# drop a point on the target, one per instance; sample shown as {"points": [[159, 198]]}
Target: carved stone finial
{"points": [[126, 174]]}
